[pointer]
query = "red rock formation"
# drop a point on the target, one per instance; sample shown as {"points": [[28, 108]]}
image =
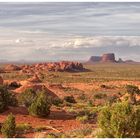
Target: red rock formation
{"points": [[55, 66], [12, 68], [109, 57]]}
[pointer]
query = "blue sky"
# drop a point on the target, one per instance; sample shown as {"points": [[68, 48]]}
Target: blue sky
{"points": [[69, 31]]}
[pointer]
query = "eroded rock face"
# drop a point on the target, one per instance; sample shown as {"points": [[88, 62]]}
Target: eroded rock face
{"points": [[109, 57], [54, 66]]}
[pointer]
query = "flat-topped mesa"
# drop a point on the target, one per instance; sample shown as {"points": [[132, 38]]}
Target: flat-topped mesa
{"points": [[95, 59], [109, 57]]}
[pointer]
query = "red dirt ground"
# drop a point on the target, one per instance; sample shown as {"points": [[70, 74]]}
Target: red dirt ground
{"points": [[58, 119]]}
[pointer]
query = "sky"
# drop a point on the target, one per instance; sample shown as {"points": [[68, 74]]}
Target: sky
{"points": [[69, 31]]}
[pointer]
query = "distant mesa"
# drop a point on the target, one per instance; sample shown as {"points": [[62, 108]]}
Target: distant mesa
{"points": [[108, 57]]}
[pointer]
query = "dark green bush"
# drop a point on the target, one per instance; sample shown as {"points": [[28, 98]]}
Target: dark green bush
{"points": [[132, 90], [100, 95], [6, 98], [27, 97], [57, 101], [40, 106], [14, 85], [82, 97], [69, 99], [8, 127], [121, 120]]}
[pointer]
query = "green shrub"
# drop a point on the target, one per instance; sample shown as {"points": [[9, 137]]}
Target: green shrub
{"points": [[14, 85], [111, 99], [69, 99], [121, 120], [82, 119], [39, 128], [57, 101], [6, 98], [82, 97], [100, 95], [40, 106], [104, 86], [90, 103], [8, 127], [22, 128], [132, 90], [27, 97], [79, 133]]}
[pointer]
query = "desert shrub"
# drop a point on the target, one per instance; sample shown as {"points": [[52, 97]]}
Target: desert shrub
{"points": [[104, 86], [39, 128], [132, 90], [82, 97], [6, 98], [90, 103], [23, 128], [69, 99], [27, 97], [57, 101], [8, 127], [82, 119], [100, 95], [79, 133], [111, 99], [40, 106], [121, 120], [83, 112], [14, 85]]}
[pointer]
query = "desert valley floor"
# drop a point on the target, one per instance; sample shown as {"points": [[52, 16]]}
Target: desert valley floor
{"points": [[91, 90]]}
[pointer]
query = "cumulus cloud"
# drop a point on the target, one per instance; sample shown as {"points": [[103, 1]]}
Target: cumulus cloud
{"points": [[69, 30]]}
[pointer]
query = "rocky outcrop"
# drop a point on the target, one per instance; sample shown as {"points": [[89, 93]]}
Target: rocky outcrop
{"points": [[53, 66], [12, 68], [109, 57]]}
